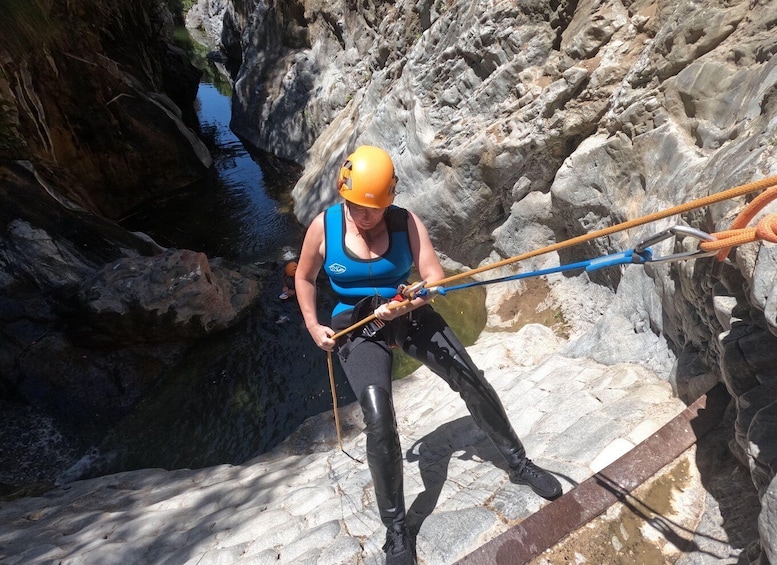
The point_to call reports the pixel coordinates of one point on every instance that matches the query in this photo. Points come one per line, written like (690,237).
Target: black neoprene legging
(425,336)
(366,360)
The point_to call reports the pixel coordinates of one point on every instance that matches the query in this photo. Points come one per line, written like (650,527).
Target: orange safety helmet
(367,178)
(291,269)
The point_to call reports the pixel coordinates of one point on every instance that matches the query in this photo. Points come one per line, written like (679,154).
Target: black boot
(384,455)
(399,547)
(540,481)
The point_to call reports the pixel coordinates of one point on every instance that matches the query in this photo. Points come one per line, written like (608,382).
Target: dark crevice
(334,25)
(561,15)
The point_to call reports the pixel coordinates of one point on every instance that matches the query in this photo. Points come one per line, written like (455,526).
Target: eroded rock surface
(516,125)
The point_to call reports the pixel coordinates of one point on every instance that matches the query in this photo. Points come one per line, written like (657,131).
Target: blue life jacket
(353,278)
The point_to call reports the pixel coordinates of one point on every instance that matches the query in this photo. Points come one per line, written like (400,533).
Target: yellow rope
(334,398)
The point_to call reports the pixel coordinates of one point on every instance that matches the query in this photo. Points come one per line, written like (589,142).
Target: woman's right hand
(322,335)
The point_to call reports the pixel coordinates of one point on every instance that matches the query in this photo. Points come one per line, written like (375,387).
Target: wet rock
(180,78)
(88,106)
(168,297)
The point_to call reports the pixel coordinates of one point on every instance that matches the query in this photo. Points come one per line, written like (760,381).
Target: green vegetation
(198,54)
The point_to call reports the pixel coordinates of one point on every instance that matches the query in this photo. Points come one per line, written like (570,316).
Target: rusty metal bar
(575,508)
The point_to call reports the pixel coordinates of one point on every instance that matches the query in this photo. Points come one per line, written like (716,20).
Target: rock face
(91,126)
(514,125)
(208,15)
(115,138)
(131,299)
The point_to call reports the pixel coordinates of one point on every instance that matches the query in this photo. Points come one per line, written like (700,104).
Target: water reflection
(235,395)
(240,392)
(230,213)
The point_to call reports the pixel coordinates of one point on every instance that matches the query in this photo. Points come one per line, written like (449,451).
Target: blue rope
(623,258)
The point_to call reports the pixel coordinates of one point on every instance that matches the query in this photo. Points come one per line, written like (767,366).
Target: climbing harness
(718,244)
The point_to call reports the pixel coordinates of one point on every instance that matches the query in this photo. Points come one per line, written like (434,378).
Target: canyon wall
(514,125)
(92,125)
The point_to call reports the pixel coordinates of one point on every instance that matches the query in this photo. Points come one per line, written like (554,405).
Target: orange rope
(738,233)
(767,183)
(735,192)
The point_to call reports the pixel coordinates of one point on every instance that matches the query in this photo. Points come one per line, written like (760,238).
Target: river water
(238,393)
(241,392)
(233,212)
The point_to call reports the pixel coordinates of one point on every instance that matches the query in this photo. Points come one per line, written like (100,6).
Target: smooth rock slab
(315,506)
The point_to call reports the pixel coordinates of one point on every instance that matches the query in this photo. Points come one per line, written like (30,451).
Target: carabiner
(410,291)
(674,231)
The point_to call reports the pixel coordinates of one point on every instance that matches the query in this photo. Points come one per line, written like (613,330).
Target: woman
(367,247)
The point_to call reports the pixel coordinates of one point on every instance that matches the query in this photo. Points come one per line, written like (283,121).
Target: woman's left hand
(383,312)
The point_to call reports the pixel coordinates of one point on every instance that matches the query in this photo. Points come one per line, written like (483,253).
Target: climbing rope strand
(675,210)
(334,405)
(766,228)
(769,183)
(334,397)
(751,210)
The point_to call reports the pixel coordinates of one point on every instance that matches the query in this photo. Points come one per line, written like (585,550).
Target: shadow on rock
(460,438)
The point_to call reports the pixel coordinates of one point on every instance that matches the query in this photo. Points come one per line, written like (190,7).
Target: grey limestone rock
(516,125)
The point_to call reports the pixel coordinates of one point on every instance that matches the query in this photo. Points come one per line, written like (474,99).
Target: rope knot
(738,233)
(766,228)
